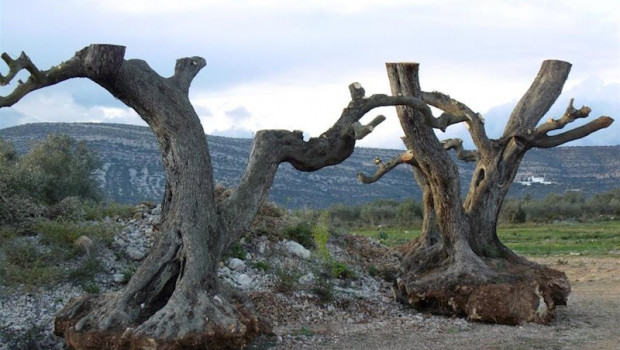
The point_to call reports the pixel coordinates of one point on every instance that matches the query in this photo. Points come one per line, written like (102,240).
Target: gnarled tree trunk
(174,300)
(469,272)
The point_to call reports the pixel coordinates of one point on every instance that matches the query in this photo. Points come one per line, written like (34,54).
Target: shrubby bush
(569,206)
(38,182)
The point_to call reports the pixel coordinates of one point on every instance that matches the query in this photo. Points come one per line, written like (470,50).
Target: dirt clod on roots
(517,294)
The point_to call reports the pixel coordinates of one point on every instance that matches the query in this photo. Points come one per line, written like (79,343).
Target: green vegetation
(286,280)
(590,238)
(300,233)
(236,250)
(43,181)
(34,261)
(262,265)
(96,211)
(569,206)
(320,235)
(587,238)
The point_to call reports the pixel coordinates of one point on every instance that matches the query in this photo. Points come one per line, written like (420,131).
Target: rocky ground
(338,302)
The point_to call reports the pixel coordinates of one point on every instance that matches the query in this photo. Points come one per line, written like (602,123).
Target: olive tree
(458,265)
(175,300)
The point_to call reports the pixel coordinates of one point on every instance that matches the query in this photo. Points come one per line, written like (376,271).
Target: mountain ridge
(132,170)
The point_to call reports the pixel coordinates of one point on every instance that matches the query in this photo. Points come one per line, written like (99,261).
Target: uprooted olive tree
(458,265)
(174,300)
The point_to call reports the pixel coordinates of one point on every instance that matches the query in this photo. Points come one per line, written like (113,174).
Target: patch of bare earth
(590,321)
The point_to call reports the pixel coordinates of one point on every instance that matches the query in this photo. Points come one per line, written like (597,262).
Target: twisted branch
(22,62)
(569,116)
(456,112)
(407,158)
(94,61)
(384,168)
(461,153)
(539,137)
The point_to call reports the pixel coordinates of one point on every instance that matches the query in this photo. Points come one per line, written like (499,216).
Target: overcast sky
(287,64)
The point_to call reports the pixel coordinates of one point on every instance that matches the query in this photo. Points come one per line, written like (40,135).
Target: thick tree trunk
(174,300)
(468,272)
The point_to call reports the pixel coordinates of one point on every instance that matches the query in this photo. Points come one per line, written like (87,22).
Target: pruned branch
(385,167)
(22,62)
(569,116)
(539,137)
(456,112)
(362,131)
(95,62)
(571,135)
(538,99)
(186,69)
(461,153)
(408,158)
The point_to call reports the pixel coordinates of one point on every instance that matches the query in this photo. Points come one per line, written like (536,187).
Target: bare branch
(362,131)
(569,116)
(461,153)
(186,69)
(386,167)
(571,135)
(457,112)
(539,137)
(22,62)
(94,61)
(541,95)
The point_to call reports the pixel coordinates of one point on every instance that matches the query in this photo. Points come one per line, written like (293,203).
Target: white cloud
(60,106)
(288,63)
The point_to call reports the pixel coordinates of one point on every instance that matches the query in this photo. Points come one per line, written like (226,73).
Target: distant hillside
(132,169)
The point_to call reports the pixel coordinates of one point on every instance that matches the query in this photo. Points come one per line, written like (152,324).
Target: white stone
(307,279)
(244,281)
(135,253)
(297,249)
(236,264)
(118,278)
(156,210)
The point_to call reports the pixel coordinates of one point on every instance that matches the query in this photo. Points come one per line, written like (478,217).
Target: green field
(590,238)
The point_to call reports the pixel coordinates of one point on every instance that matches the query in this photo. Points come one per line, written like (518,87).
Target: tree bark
(174,300)
(468,271)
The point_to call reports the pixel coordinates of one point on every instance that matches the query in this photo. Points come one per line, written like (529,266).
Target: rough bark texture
(174,300)
(468,271)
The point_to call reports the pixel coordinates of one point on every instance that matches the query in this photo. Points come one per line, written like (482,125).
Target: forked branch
(459,112)
(385,167)
(539,137)
(408,158)
(461,153)
(94,61)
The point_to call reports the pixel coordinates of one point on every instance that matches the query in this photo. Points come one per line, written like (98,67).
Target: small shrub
(304,332)
(286,280)
(300,233)
(95,212)
(68,209)
(65,233)
(382,236)
(236,250)
(340,270)
(320,234)
(91,287)
(262,265)
(324,289)
(86,270)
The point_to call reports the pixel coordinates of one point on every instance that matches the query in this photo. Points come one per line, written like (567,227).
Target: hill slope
(132,169)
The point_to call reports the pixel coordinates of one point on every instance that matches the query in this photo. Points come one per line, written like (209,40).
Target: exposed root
(490,290)
(191,319)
